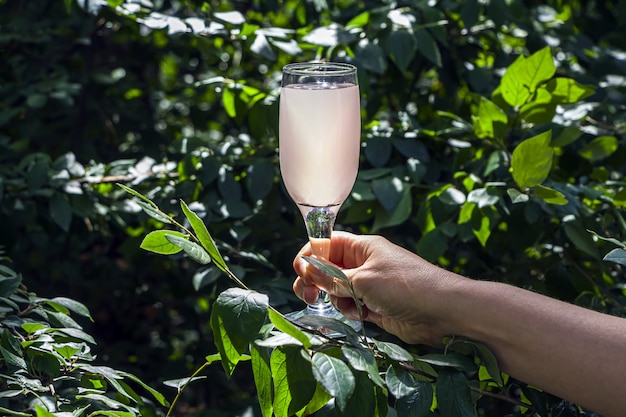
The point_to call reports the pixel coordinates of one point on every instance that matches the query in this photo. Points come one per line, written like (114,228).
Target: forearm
(571,352)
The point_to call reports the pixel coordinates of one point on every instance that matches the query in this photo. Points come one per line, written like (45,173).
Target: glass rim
(319,68)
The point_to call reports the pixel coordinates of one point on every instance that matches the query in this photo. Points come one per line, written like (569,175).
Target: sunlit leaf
(157,242)
(418,402)
(567,90)
(394,351)
(262,379)
(285,326)
(617,255)
(450,360)
(532,160)
(599,148)
(243,312)
(154,212)
(228,101)
(294,384)
(204,236)
(195,251)
(236,319)
(136,194)
(523,76)
(549,195)
(489,120)
(72,305)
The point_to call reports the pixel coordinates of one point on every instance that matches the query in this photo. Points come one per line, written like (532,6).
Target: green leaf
(114,378)
(67,350)
(137,194)
(599,148)
(372,57)
(151,210)
(318,401)
(432,244)
(389,192)
(195,251)
(328,323)
(532,160)
(394,351)
(294,384)
(578,236)
(286,327)
(427,46)
(71,305)
(418,402)
(523,77)
(157,395)
(400,382)
(489,120)
(11,352)
(486,357)
(327,268)
(180,383)
(228,101)
(450,360)
(399,215)
(362,359)
(454,397)
(484,197)
(236,320)
(567,90)
(61,211)
(335,376)
(77,334)
(262,378)
(204,237)
(42,412)
(470,12)
(517,196)
(363,401)
(541,109)
(8,285)
(401,47)
(549,195)
(260,178)
(157,242)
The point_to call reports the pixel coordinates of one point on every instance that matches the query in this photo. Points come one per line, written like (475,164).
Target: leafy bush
(48,367)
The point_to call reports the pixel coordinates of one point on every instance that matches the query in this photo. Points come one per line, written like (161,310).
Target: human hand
(401,292)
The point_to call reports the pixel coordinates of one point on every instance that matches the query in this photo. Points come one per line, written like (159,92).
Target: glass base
(326,319)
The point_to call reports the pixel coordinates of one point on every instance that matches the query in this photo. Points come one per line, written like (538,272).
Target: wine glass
(319,142)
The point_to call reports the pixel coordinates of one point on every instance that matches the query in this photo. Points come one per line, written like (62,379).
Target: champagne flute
(319,142)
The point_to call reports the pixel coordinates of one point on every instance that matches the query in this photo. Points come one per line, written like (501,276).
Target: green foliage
(47,364)
(493,145)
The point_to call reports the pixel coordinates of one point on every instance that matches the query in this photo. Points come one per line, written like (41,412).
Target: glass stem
(319,225)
